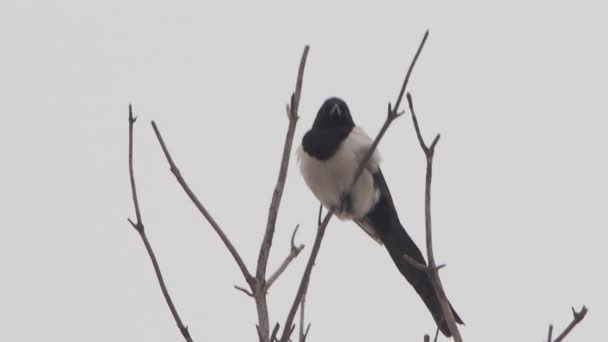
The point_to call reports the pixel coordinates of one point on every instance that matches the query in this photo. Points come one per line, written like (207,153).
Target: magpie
(329,156)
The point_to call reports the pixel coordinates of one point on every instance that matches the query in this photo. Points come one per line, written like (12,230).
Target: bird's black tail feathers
(385,221)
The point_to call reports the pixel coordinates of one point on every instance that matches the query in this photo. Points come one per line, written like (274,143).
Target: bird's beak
(335,109)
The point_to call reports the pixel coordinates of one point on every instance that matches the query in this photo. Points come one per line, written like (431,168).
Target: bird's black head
(333,113)
(332,125)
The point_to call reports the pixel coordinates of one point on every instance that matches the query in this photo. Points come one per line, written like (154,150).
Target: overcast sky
(516,88)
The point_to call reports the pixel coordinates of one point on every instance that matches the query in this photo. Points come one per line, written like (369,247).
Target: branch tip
(244,290)
(578,317)
(435,141)
(293,239)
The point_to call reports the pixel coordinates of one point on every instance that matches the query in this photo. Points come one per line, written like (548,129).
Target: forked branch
(578,317)
(139,226)
(293,253)
(432,268)
(261,285)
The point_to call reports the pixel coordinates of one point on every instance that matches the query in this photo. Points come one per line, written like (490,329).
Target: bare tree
(259,282)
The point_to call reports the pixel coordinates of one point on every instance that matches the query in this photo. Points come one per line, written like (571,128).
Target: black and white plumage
(329,156)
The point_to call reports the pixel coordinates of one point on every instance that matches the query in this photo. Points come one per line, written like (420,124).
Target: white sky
(515,88)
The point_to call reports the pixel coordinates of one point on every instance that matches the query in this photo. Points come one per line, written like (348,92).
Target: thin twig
(550,336)
(432,267)
(303,332)
(320,215)
(305,336)
(427,338)
(275,330)
(436,334)
(244,290)
(293,253)
(139,226)
(201,208)
(409,71)
(393,113)
(578,317)
(305,277)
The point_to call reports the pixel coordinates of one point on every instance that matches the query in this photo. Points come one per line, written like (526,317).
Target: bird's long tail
(385,222)
(397,243)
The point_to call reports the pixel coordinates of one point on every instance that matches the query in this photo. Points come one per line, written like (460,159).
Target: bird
(329,156)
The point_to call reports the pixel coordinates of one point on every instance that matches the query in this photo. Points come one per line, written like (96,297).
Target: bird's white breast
(330,179)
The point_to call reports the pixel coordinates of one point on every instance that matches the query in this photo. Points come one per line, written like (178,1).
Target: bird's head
(334,113)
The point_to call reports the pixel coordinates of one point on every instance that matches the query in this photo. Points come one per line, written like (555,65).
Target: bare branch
(201,208)
(305,277)
(320,215)
(294,252)
(427,338)
(303,333)
(139,226)
(305,336)
(432,267)
(578,317)
(409,71)
(436,334)
(550,337)
(257,328)
(278,190)
(392,114)
(244,290)
(275,330)
(260,291)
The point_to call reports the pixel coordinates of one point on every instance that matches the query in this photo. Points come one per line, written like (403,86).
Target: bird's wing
(364,222)
(368,229)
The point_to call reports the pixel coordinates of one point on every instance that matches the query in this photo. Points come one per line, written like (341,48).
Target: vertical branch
(260,291)
(139,226)
(305,278)
(432,268)
(303,332)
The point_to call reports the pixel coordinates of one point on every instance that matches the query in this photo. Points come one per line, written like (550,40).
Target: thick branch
(201,208)
(139,226)
(432,267)
(578,317)
(393,113)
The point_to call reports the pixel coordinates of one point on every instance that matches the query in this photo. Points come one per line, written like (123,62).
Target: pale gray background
(516,88)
